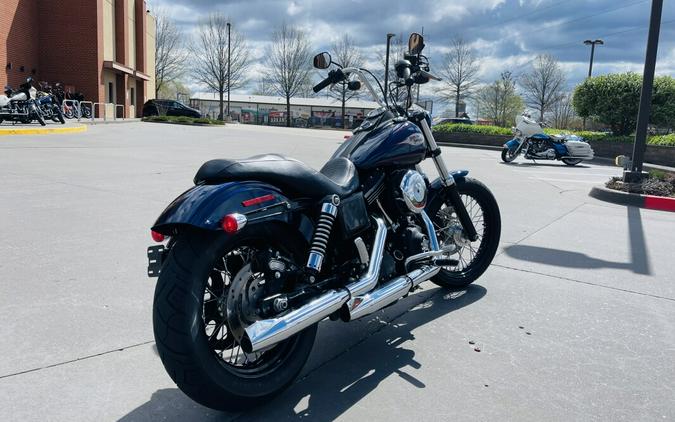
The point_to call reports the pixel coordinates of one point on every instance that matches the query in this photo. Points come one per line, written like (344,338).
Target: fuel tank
(391,144)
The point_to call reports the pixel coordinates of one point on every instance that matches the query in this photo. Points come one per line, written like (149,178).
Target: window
(111,92)
(133,96)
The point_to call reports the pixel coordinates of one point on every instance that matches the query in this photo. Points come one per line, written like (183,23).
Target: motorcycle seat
(294,178)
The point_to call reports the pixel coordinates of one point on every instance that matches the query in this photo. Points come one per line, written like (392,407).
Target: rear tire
(507,155)
(475,195)
(571,161)
(179,318)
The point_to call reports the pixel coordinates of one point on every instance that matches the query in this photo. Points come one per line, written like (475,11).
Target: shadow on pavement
(638,249)
(540,164)
(336,385)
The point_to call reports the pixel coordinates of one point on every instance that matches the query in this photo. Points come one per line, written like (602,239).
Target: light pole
(592,44)
(386,69)
(636,174)
(228,70)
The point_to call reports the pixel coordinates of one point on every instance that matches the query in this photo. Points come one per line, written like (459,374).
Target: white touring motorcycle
(21,106)
(531,141)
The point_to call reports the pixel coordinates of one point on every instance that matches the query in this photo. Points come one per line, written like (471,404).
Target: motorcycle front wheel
(205,296)
(473,257)
(58,115)
(571,161)
(508,155)
(38,116)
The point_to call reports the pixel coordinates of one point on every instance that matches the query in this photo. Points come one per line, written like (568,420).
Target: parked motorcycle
(49,107)
(71,110)
(20,106)
(261,249)
(531,141)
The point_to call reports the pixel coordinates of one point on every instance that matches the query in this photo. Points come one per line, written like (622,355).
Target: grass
(665,140)
(183,120)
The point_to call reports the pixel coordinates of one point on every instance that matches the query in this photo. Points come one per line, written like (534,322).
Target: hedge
(183,120)
(667,140)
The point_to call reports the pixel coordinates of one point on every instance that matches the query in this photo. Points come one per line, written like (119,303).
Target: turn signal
(232,223)
(156,236)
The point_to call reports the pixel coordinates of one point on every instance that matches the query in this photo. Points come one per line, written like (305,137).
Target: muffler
(389,293)
(268,332)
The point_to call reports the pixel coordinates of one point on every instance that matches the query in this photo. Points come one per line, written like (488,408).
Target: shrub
(462,128)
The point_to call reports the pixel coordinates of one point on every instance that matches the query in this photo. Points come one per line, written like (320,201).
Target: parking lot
(573,321)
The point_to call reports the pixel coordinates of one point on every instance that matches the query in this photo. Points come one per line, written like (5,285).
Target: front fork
(451,191)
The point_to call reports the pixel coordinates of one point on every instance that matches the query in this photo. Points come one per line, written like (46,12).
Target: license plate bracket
(156,255)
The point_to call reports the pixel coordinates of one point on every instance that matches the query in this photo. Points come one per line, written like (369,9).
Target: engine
(542,149)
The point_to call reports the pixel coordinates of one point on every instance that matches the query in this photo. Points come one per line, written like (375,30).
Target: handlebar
(334,76)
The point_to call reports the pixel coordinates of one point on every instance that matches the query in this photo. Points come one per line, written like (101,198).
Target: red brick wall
(71,50)
(18,41)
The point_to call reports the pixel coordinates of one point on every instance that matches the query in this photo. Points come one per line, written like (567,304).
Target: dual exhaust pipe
(357,300)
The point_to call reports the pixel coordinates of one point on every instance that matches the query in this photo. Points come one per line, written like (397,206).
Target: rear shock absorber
(324,227)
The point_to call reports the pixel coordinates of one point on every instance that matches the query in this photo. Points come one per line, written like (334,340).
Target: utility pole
(635,175)
(386,69)
(228,70)
(592,43)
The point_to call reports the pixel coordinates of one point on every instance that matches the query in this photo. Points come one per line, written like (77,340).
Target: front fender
(436,186)
(512,144)
(204,206)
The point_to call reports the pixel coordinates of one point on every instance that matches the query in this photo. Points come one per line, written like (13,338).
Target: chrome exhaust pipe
(389,293)
(265,333)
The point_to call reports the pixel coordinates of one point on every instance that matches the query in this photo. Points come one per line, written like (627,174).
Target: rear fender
(204,206)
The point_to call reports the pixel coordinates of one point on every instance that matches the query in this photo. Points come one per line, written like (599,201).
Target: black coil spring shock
(324,227)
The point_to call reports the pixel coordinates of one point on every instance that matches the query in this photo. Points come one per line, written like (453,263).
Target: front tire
(39,118)
(508,155)
(571,161)
(474,257)
(186,344)
(58,115)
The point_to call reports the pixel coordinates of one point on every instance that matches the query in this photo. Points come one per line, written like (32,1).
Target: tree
(562,112)
(347,54)
(170,54)
(544,84)
(614,100)
(211,57)
(264,87)
(499,101)
(173,89)
(460,72)
(289,64)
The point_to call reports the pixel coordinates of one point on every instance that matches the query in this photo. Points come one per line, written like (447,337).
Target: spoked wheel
(509,155)
(209,291)
(473,257)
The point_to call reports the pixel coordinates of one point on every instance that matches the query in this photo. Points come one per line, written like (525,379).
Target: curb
(651,202)
(42,130)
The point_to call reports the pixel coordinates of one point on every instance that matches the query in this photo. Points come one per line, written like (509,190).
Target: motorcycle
(20,106)
(49,105)
(70,110)
(260,250)
(531,141)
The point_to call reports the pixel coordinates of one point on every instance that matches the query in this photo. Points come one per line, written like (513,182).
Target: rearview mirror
(322,60)
(415,43)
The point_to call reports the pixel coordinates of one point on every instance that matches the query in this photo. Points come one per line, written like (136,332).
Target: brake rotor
(243,295)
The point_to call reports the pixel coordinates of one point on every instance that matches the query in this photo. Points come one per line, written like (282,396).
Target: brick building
(102,48)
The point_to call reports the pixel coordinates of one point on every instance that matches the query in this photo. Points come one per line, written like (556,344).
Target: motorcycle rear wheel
(474,257)
(195,337)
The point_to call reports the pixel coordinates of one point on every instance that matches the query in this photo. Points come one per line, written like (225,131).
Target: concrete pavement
(574,321)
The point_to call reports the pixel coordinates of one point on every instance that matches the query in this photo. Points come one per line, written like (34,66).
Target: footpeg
(446,262)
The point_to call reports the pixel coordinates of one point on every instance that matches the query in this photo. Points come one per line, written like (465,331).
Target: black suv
(169,108)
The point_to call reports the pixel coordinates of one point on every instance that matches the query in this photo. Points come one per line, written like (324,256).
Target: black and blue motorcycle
(260,250)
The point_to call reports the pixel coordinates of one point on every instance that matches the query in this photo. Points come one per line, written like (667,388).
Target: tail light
(156,236)
(232,223)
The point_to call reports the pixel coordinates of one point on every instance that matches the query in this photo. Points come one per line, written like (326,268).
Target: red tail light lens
(156,236)
(258,200)
(232,223)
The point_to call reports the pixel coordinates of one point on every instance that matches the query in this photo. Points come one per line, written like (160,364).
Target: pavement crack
(585,282)
(76,360)
(555,220)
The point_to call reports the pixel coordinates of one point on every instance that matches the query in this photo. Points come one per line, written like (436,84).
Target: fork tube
(436,157)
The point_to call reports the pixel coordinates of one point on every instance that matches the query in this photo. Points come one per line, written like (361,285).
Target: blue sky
(506,35)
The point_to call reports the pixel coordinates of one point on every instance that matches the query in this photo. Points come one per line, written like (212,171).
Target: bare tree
(289,64)
(562,112)
(499,101)
(397,52)
(347,54)
(170,54)
(264,87)
(211,57)
(543,85)
(460,72)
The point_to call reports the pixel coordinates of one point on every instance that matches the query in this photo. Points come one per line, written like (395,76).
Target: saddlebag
(579,149)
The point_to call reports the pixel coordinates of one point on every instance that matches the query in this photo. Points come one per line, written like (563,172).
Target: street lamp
(386,68)
(592,44)
(228,69)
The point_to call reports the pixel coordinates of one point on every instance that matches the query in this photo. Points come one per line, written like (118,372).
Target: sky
(505,34)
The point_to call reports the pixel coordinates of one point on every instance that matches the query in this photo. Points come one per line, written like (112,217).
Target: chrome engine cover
(414,190)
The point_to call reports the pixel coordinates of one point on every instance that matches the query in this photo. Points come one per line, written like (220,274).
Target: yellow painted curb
(42,130)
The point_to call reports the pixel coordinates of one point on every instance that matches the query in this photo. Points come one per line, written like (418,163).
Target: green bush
(462,128)
(667,140)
